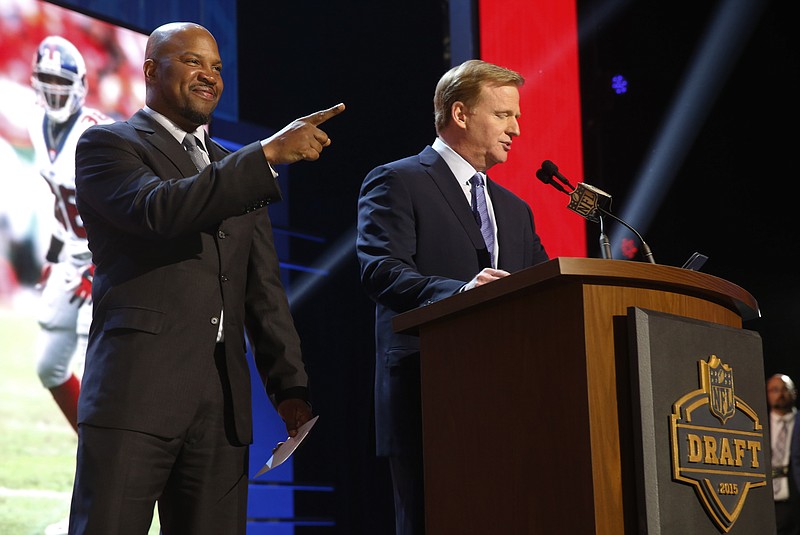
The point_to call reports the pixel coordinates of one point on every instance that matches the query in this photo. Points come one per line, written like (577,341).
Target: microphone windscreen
(550,167)
(543,175)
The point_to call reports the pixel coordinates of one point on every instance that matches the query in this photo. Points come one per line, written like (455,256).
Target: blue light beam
(328,263)
(730,29)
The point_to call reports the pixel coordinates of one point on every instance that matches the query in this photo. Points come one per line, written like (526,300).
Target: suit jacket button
(223,278)
(214,321)
(221,234)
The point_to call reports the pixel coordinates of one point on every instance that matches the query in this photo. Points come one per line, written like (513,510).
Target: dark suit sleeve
(136,186)
(794,460)
(274,340)
(386,246)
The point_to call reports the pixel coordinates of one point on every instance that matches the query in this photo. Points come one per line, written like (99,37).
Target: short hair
(464,82)
(787,381)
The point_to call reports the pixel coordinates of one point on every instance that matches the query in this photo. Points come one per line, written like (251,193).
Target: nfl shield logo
(721,400)
(723,462)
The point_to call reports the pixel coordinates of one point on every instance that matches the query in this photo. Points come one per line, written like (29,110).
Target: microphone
(542,175)
(552,169)
(590,203)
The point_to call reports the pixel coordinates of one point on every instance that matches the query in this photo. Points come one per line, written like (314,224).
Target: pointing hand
(301,139)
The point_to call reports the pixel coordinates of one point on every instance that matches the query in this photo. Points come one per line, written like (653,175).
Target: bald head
(163,34)
(183,73)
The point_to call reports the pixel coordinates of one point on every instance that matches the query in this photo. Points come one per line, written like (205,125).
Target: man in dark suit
(427,231)
(186,271)
(785,445)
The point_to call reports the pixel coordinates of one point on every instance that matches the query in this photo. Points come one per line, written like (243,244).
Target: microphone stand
(586,202)
(645,248)
(605,244)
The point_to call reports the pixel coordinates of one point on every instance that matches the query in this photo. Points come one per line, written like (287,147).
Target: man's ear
(148,68)
(459,113)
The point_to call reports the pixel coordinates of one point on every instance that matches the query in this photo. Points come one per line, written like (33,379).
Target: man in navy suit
(420,240)
(186,269)
(785,442)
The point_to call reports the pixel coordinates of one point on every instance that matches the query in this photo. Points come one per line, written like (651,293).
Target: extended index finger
(321,116)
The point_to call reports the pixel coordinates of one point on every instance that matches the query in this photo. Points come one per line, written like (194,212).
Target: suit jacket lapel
(497,207)
(441,174)
(163,141)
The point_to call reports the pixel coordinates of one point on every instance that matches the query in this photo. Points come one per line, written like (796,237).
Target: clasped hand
(484,276)
(301,139)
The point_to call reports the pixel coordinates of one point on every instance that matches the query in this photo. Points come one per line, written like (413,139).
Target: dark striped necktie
(481,212)
(195,150)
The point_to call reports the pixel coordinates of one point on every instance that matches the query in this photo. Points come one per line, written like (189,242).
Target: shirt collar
(788,417)
(177,132)
(462,170)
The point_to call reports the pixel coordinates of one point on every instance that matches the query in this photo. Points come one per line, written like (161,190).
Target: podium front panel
(701,422)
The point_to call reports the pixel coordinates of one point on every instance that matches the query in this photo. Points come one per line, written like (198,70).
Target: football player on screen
(59,81)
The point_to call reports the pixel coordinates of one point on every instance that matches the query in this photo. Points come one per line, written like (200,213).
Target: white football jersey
(55,161)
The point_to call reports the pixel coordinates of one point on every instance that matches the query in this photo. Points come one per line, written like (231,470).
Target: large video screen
(546,54)
(114,86)
(89,70)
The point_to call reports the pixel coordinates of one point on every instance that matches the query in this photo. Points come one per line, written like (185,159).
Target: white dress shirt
(463,172)
(780,485)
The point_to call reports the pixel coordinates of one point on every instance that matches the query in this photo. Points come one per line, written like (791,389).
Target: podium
(529,417)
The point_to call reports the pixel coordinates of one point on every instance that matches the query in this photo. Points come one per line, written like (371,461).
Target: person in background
(186,273)
(430,226)
(785,442)
(59,81)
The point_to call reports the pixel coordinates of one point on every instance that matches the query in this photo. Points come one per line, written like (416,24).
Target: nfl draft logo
(717,444)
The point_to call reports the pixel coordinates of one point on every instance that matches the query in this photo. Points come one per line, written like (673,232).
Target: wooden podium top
(591,271)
